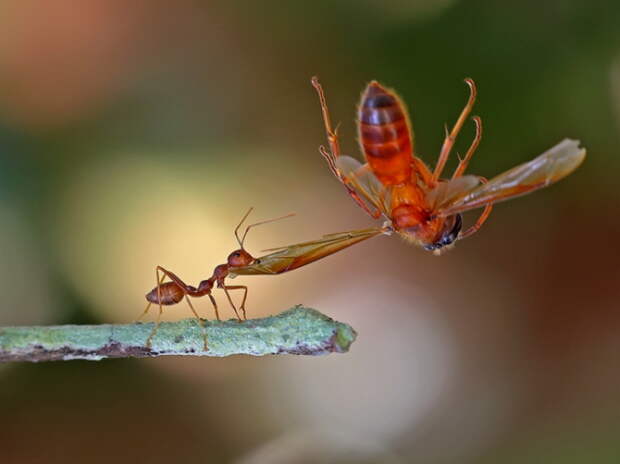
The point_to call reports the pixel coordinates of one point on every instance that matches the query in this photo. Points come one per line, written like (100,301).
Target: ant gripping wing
(553,165)
(291,257)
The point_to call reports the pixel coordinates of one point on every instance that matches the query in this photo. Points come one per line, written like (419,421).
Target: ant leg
(186,288)
(148,306)
(146,310)
(481,219)
(451,136)
(217,314)
(460,169)
(245,296)
(161,310)
(191,306)
(204,328)
(154,331)
(231,302)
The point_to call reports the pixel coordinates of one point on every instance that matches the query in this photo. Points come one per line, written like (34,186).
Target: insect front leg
(225,288)
(245,296)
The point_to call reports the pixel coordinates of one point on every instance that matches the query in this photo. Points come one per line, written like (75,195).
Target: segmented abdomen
(170,293)
(385,135)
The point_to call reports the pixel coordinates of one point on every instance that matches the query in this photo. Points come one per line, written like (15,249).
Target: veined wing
(365,182)
(291,257)
(447,192)
(553,165)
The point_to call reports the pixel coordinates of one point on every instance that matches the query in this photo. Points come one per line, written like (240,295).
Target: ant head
(239,258)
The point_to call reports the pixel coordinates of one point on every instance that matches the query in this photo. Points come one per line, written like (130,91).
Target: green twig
(296,331)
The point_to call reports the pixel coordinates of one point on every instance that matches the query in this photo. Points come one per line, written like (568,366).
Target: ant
(170,293)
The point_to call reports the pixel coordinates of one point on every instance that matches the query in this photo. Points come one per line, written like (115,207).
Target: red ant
(170,293)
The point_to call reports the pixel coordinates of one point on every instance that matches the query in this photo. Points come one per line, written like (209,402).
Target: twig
(298,330)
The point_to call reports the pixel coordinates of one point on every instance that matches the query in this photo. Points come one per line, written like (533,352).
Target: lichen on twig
(298,330)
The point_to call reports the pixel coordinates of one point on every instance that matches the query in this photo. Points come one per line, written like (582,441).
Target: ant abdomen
(170,294)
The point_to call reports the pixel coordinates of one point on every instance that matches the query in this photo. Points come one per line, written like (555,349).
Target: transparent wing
(553,165)
(365,182)
(291,257)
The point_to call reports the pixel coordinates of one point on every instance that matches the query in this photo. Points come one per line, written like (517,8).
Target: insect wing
(447,192)
(365,182)
(553,165)
(293,256)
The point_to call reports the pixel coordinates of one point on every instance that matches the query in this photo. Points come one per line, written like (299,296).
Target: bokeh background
(137,133)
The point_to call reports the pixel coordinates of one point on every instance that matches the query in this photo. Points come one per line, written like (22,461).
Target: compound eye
(454,232)
(458,224)
(450,234)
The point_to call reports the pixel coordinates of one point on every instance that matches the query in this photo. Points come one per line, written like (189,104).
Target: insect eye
(457,227)
(448,235)
(447,239)
(236,254)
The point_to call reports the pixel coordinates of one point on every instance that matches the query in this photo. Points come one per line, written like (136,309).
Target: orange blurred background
(134,134)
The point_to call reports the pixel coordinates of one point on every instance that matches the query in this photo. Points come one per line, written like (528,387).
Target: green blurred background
(137,133)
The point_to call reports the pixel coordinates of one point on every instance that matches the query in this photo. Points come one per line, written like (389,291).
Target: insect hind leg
(481,219)
(159,281)
(462,166)
(217,313)
(200,323)
(332,136)
(448,142)
(334,151)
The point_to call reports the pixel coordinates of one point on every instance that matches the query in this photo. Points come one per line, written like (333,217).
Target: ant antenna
(239,225)
(247,229)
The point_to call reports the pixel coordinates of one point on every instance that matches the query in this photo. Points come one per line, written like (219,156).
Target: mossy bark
(298,330)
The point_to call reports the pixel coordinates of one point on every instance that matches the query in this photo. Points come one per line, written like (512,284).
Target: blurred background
(137,133)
